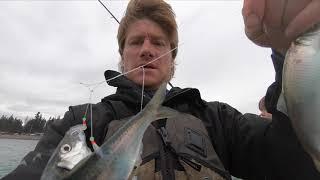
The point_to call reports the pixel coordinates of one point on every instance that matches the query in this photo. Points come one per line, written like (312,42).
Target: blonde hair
(157,11)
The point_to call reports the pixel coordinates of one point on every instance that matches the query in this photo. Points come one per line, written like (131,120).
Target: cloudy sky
(48,47)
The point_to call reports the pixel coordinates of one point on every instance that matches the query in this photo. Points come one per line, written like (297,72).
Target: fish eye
(65,148)
(74,133)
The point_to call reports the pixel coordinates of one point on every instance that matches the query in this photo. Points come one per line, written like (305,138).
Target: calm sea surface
(11,153)
(13,150)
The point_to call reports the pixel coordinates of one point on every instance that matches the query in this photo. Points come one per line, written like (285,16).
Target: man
(263,111)
(268,104)
(211,140)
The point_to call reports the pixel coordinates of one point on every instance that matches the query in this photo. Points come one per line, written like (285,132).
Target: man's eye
(135,42)
(159,43)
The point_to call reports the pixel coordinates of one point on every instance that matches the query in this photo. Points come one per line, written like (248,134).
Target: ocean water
(11,153)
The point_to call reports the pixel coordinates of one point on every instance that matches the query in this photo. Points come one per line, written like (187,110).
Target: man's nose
(147,50)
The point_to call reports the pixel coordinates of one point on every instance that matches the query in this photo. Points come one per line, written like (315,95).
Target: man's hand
(253,13)
(305,19)
(275,23)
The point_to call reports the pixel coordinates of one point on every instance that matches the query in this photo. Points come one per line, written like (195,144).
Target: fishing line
(84,122)
(119,23)
(94,144)
(84,118)
(125,73)
(142,89)
(91,119)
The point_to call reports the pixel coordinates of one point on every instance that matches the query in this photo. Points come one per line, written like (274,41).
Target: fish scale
(300,96)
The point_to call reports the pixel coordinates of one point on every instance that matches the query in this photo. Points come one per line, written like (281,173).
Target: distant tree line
(37,124)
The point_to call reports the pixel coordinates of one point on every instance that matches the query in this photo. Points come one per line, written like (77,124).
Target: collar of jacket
(130,93)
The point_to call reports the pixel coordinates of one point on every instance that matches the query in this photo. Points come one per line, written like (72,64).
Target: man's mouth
(149,66)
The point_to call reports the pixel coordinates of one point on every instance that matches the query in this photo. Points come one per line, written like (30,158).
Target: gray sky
(49,47)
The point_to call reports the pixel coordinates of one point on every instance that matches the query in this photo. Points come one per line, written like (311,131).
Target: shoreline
(20,137)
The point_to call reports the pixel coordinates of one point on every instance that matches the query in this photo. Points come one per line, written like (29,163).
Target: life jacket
(181,140)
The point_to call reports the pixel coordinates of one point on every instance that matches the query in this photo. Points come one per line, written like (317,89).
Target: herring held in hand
(300,96)
(116,158)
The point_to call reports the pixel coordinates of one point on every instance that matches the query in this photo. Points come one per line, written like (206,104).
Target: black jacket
(274,89)
(248,146)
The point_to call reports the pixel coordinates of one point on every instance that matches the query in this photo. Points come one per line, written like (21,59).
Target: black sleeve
(274,90)
(34,162)
(261,149)
(286,156)
(245,143)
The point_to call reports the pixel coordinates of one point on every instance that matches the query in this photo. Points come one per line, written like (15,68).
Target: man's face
(146,41)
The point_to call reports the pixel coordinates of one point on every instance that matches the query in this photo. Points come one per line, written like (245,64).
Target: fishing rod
(89,105)
(109,12)
(119,23)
